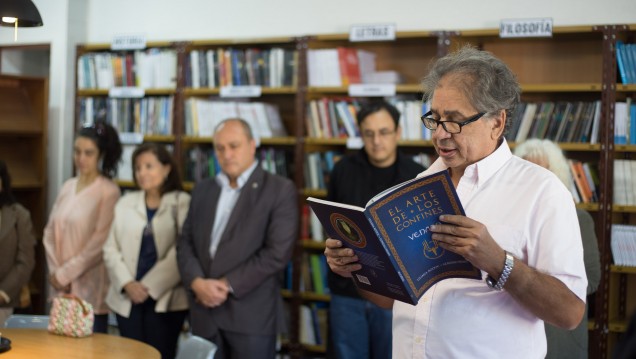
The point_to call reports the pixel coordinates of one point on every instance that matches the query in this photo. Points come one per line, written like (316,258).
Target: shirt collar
(485,168)
(224,181)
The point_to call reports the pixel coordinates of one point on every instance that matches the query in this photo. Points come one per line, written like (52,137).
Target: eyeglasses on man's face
(383,133)
(449,126)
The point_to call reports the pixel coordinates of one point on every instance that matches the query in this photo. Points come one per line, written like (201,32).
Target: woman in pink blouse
(80,220)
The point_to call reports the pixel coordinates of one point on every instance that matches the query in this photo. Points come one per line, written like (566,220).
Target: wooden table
(38,343)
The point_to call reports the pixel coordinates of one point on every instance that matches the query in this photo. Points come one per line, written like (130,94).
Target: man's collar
(224,181)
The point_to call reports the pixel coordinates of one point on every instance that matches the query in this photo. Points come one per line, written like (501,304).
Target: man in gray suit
(237,238)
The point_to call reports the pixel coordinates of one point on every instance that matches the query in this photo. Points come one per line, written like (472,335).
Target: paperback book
(392,238)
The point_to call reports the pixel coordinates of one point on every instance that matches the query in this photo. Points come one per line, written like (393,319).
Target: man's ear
(498,125)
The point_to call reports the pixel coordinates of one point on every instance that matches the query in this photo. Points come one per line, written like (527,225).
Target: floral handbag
(71,316)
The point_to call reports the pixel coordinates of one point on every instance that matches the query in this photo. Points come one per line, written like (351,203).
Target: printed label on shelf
(377,32)
(371,90)
(131,138)
(126,92)
(241,91)
(354,143)
(128,42)
(526,28)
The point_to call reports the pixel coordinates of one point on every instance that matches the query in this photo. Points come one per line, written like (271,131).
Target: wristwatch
(508,265)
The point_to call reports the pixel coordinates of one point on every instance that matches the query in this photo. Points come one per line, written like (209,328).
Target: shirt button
(418,340)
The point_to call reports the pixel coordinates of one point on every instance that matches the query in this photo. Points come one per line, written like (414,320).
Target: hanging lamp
(19,13)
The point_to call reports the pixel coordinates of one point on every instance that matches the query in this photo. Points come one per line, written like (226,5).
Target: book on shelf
(391,237)
(623,245)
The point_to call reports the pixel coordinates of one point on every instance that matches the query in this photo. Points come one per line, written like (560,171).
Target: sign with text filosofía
(526,28)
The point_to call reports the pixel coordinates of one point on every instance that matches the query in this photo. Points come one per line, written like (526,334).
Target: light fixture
(19,13)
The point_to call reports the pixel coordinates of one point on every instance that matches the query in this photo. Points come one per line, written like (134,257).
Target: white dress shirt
(225,205)
(530,214)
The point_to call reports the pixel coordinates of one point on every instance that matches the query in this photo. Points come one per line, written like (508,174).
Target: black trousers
(161,330)
(243,346)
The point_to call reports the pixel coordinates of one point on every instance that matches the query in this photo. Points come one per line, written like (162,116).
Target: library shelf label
(241,91)
(372,32)
(371,90)
(126,92)
(526,28)
(128,42)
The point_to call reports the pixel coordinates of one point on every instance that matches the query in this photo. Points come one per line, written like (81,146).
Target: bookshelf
(23,146)
(577,64)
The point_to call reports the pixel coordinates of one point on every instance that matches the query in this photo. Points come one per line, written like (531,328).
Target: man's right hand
(342,261)
(210,292)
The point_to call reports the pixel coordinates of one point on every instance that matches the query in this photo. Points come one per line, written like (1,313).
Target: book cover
(392,240)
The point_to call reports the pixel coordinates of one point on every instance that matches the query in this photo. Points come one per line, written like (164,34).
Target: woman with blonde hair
(562,343)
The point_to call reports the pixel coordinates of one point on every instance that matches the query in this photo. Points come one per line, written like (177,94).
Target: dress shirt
(225,205)
(530,214)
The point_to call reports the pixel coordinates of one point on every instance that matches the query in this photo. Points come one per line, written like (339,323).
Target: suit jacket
(121,251)
(253,250)
(16,251)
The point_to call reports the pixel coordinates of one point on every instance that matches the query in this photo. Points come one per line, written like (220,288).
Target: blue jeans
(359,329)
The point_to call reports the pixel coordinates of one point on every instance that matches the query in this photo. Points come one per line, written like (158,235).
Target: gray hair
(246,126)
(486,81)
(551,153)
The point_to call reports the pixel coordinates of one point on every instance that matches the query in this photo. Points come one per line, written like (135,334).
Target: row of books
(336,118)
(310,227)
(313,273)
(151,68)
(201,163)
(318,166)
(275,67)
(148,115)
(313,324)
(625,123)
(624,245)
(202,117)
(340,66)
(586,181)
(624,182)
(626,61)
(558,121)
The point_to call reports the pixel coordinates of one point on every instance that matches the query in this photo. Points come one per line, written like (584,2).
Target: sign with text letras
(377,32)
(526,28)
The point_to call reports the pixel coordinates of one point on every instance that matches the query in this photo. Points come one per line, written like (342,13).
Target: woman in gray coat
(17,241)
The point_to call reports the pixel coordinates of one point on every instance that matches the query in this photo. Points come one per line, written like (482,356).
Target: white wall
(68,22)
(190,19)
(61,32)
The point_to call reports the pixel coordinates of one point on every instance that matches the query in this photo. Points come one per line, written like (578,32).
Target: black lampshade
(24,10)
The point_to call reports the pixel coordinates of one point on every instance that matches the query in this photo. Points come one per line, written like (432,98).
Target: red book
(349,65)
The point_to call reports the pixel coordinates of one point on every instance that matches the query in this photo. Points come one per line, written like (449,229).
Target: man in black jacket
(357,327)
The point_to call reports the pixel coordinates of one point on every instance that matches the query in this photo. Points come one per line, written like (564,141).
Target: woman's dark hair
(106,138)
(6,194)
(172,182)
(376,106)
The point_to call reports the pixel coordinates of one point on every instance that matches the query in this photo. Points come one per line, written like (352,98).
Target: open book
(392,240)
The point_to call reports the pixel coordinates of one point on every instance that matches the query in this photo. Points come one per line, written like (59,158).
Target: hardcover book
(392,240)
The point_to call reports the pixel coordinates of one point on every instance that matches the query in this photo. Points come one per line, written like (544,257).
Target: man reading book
(520,229)
(357,327)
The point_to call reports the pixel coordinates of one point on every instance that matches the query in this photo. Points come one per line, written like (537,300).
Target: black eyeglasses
(449,126)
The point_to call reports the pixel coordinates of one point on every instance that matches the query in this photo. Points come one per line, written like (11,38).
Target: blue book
(621,62)
(391,237)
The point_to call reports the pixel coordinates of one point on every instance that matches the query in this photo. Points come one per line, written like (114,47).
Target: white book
(209,57)
(596,122)
(194,69)
(526,122)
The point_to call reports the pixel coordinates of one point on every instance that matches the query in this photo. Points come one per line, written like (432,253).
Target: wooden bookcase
(23,146)
(577,64)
